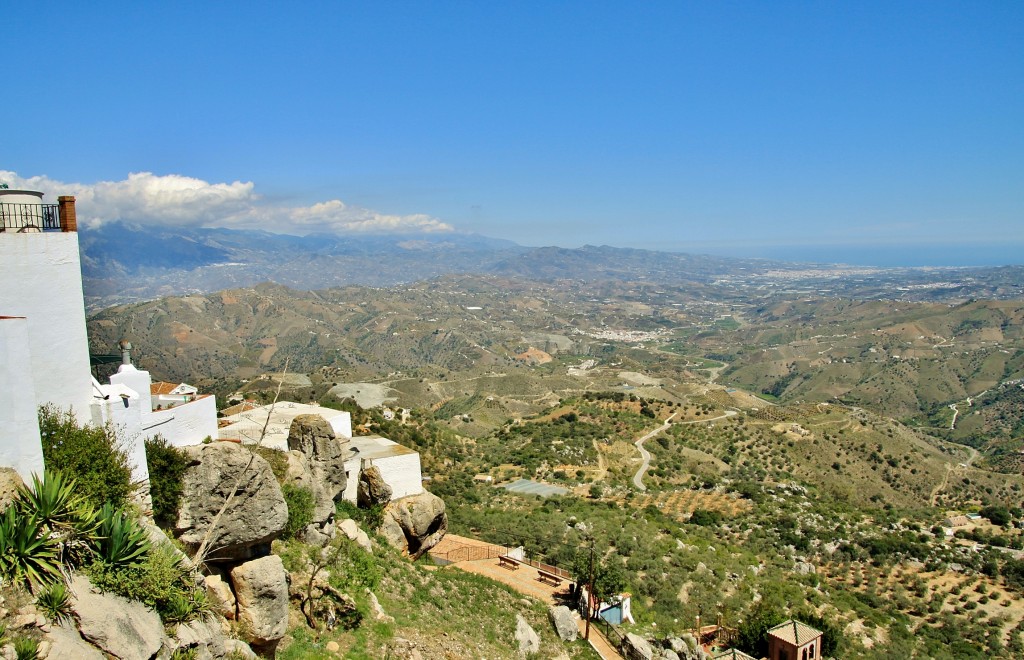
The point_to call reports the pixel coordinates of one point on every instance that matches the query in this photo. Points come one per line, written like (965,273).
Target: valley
(736,446)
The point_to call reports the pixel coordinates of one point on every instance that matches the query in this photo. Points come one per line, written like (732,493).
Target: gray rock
(256,514)
(351,529)
(805,568)
(415,524)
(261,589)
(205,636)
(635,647)
(564,621)
(67,644)
(526,637)
(10,483)
(120,627)
(373,490)
(666,654)
(236,648)
(402,649)
(220,596)
(376,611)
(320,460)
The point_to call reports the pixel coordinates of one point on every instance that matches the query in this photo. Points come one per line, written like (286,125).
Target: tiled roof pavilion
(794,632)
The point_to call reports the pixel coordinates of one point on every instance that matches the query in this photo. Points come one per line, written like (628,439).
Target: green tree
(997,515)
(166,470)
(92,455)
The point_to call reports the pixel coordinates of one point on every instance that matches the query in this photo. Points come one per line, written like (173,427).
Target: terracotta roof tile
(161,387)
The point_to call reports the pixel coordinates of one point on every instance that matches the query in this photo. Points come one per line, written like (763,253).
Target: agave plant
(55,602)
(62,514)
(28,554)
(26,648)
(121,541)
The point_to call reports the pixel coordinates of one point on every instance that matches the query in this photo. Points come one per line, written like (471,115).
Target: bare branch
(204,547)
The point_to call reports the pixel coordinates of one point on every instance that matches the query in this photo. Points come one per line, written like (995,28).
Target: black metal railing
(29,217)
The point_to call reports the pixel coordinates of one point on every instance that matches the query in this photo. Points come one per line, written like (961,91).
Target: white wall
(43,283)
(135,379)
(401,472)
(125,414)
(186,423)
(19,422)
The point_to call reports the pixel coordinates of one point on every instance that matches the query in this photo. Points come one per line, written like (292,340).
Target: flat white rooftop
(247,427)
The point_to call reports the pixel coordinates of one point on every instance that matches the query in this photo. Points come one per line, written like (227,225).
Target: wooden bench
(508,562)
(549,578)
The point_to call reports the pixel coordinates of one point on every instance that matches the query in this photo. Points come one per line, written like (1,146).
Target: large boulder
(635,647)
(527,639)
(255,516)
(415,524)
(316,460)
(564,621)
(117,626)
(261,589)
(372,489)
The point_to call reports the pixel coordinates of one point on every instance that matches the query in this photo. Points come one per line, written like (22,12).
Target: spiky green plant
(26,648)
(62,514)
(55,602)
(28,555)
(121,540)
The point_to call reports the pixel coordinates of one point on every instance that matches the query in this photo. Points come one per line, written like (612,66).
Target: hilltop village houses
(44,360)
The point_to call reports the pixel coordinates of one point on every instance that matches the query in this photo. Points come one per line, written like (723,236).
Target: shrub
(159,581)
(369,518)
(167,466)
(92,455)
(705,518)
(300,509)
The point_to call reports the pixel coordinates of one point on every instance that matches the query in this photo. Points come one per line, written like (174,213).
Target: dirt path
(638,478)
(524,580)
(949,470)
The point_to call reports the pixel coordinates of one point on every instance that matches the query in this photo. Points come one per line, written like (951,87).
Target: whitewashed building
(269,424)
(44,346)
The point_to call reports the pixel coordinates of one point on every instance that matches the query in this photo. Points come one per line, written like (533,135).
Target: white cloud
(174,199)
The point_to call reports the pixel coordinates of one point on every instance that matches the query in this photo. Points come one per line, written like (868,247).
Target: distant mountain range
(124,263)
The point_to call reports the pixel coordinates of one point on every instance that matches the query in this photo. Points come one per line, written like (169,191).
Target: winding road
(638,478)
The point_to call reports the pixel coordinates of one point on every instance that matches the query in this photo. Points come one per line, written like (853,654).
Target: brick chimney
(66,211)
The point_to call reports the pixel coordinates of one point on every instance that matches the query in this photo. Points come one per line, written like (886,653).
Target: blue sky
(765,129)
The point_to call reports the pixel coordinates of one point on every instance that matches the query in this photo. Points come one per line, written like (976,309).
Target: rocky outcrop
(415,524)
(255,516)
(117,626)
(261,588)
(67,644)
(350,529)
(10,483)
(220,597)
(527,639)
(564,621)
(316,460)
(372,489)
(635,647)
